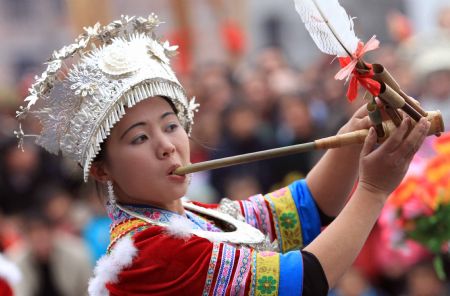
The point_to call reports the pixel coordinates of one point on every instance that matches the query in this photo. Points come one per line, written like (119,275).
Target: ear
(99,172)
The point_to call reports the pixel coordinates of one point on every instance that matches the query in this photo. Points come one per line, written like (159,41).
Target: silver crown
(87,85)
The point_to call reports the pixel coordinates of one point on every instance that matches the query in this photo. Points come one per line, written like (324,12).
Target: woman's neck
(175,206)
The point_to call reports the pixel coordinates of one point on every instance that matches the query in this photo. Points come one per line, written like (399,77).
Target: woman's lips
(177,178)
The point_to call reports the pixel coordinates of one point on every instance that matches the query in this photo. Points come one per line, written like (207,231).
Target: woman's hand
(382,169)
(359,120)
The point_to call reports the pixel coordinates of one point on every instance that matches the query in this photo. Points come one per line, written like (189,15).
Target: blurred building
(30,30)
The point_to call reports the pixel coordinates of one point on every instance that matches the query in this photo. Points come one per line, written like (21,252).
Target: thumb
(369,143)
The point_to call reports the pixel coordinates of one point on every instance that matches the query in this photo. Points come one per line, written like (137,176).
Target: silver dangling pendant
(111,196)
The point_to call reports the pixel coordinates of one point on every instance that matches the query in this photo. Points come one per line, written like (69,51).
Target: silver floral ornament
(155,49)
(53,66)
(84,82)
(92,31)
(121,58)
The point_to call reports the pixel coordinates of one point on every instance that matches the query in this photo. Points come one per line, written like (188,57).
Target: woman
(122,114)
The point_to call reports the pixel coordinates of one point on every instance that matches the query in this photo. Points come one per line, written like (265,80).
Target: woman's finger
(412,143)
(396,138)
(369,143)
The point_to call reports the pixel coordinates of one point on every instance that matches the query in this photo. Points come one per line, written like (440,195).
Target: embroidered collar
(241,233)
(158,216)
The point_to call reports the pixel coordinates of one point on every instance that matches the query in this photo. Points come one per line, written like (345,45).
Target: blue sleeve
(307,210)
(291,273)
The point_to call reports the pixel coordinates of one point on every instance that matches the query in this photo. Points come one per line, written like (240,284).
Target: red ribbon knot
(365,77)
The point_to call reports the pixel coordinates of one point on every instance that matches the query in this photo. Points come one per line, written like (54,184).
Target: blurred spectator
(436,93)
(20,175)
(57,203)
(213,87)
(241,134)
(23,174)
(255,91)
(241,187)
(51,262)
(353,283)
(423,281)
(295,127)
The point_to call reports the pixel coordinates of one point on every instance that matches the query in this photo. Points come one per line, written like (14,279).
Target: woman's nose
(165,147)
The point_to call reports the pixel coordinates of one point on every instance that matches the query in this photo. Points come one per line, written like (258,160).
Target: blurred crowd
(54,227)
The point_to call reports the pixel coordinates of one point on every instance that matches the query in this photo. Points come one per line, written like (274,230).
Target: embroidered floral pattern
(267,273)
(267,285)
(288,220)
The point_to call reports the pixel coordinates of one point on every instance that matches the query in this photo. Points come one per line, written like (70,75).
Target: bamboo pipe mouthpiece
(434,117)
(437,123)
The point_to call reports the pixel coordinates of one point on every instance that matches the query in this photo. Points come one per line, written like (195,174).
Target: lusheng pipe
(381,74)
(356,137)
(396,101)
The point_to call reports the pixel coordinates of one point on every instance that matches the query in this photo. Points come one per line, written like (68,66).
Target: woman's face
(143,150)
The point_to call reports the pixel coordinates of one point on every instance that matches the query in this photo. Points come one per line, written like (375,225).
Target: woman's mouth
(173,177)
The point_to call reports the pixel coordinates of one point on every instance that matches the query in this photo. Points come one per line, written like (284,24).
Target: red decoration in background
(233,38)
(182,63)
(348,65)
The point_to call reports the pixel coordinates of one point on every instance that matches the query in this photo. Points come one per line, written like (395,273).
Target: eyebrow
(142,123)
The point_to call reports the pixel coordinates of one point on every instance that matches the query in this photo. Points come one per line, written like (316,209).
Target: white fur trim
(9,271)
(109,266)
(179,227)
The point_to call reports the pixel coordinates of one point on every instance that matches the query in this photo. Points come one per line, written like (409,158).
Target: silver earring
(111,196)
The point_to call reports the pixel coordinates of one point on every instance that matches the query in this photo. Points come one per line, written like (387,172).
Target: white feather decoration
(329,26)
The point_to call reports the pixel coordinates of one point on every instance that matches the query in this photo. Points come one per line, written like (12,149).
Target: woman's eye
(171,127)
(139,140)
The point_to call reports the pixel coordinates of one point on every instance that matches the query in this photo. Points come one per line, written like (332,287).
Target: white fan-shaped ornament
(121,58)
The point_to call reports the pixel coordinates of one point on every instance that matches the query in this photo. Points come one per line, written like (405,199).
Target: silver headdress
(87,85)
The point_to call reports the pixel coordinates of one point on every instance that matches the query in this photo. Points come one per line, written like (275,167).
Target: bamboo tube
(356,137)
(375,117)
(383,75)
(393,114)
(391,97)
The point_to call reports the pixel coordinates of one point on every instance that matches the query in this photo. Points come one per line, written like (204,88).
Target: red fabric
(348,65)
(165,266)
(5,289)
(204,205)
